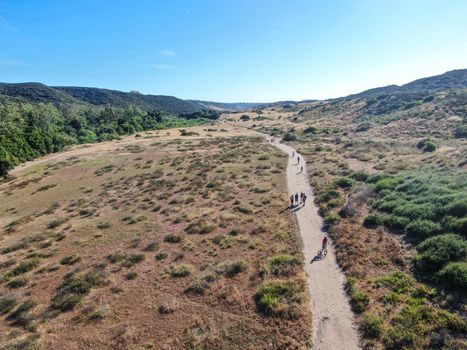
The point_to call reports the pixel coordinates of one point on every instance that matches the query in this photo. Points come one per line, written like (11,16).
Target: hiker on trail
(301,169)
(296,198)
(325,243)
(304,199)
(301,197)
(291,201)
(298,159)
(293,154)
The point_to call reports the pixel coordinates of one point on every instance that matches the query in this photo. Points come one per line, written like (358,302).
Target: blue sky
(236,50)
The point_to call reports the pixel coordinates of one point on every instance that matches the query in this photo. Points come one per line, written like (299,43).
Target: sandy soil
(333,326)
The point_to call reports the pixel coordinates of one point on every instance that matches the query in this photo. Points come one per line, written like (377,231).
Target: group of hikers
(295,201)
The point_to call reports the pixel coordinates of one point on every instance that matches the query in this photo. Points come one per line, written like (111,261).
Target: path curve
(333,326)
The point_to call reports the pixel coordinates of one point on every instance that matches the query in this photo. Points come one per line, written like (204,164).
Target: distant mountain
(36,92)
(455,79)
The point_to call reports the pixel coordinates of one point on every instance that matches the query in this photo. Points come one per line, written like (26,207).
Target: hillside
(36,92)
(455,79)
(388,168)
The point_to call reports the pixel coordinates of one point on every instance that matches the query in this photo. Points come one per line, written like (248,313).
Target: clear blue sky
(236,50)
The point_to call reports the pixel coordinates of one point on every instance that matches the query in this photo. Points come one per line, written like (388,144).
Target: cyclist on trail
(325,243)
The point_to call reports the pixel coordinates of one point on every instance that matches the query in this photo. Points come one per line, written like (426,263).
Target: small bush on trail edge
(310,130)
(283,264)
(161,255)
(232,268)
(278,298)
(75,287)
(358,300)
(372,325)
(427,145)
(422,228)
(152,247)
(131,275)
(244,117)
(289,137)
(331,218)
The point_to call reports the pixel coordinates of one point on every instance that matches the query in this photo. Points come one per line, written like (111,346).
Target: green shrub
(170,238)
(283,264)
(310,130)
(359,300)
(422,228)
(395,222)
(133,259)
(331,218)
(454,275)
(131,275)
(372,221)
(24,267)
(389,183)
(152,247)
(289,137)
(232,268)
(372,325)
(71,259)
(344,182)
(7,303)
(360,175)
(461,131)
(180,271)
(278,298)
(436,252)
(398,281)
(427,145)
(116,257)
(75,287)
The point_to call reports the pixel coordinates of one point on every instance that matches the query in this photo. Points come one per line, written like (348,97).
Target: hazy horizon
(264,51)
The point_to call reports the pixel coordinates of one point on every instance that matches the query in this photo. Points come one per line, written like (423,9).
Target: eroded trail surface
(333,326)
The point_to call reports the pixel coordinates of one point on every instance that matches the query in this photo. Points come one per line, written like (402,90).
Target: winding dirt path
(333,327)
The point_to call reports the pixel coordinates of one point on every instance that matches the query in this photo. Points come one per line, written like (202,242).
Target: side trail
(333,327)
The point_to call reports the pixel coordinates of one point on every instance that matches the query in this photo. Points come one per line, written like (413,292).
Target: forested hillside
(29,130)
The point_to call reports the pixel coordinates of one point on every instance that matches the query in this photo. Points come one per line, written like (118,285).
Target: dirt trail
(333,326)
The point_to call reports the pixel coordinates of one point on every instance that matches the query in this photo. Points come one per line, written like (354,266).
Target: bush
(310,130)
(360,175)
(75,287)
(427,145)
(454,275)
(395,222)
(180,271)
(372,221)
(436,252)
(278,298)
(359,300)
(389,183)
(71,259)
(7,303)
(344,182)
(133,259)
(232,268)
(461,131)
(289,137)
(283,264)
(372,325)
(331,218)
(422,228)
(244,117)
(170,238)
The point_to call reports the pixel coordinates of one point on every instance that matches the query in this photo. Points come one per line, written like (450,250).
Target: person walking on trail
(291,201)
(304,199)
(325,243)
(301,197)
(298,159)
(293,154)
(296,198)
(301,169)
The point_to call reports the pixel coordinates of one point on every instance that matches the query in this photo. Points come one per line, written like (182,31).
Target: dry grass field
(176,239)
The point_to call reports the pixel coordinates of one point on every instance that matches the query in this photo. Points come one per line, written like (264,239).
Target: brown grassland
(164,240)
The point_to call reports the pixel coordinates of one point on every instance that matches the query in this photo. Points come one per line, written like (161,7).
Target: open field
(164,240)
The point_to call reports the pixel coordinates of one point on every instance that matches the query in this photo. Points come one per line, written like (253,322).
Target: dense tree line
(29,130)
